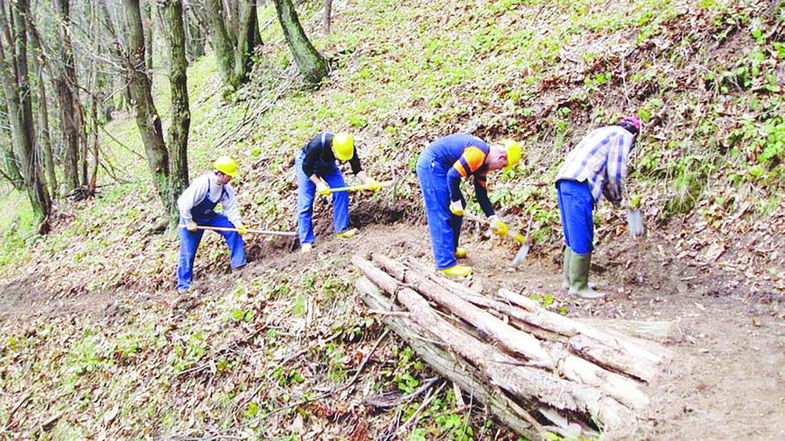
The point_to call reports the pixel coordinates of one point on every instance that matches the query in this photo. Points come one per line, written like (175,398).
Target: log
(511,338)
(625,390)
(465,376)
(524,382)
(662,331)
(610,350)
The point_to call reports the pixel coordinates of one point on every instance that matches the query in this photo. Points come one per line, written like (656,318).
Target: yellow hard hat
(226,165)
(513,152)
(343,146)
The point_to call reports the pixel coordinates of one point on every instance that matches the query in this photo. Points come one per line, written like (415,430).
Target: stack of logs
(536,370)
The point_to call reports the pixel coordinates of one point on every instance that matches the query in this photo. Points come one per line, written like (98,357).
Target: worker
(596,167)
(314,165)
(197,209)
(440,169)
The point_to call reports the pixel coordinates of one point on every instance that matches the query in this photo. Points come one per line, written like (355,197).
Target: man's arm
(192,196)
(481,193)
(616,168)
(230,206)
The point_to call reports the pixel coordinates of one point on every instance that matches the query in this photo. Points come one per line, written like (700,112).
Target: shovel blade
(521,255)
(635,222)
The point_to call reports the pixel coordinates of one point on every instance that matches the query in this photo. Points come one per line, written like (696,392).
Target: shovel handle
(359,187)
(249,230)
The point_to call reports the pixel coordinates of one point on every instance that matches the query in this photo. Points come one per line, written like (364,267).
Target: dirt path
(725,382)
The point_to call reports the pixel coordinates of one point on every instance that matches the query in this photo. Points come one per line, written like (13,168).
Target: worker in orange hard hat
(317,172)
(197,209)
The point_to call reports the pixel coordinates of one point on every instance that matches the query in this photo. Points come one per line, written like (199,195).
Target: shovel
(360,187)
(249,230)
(520,256)
(634,217)
(635,222)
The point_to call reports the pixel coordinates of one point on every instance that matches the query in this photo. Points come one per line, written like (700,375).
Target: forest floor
(725,381)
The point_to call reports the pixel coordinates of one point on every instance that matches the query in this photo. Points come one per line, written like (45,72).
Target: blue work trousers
(189,242)
(306,191)
(445,227)
(575,206)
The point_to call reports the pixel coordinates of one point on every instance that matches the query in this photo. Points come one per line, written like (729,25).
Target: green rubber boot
(566,260)
(579,277)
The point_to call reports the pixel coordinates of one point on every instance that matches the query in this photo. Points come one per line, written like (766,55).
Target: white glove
(498,227)
(322,188)
(456,207)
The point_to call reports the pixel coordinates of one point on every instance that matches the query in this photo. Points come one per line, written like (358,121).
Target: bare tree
(37,62)
(66,86)
(178,82)
(16,88)
(310,62)
(147,119)
(234,33)
(328,10)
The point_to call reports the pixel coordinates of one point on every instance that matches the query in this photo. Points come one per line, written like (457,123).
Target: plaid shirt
(601,160)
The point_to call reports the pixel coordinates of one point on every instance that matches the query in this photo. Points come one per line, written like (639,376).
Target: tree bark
(65,86)
(310,62)
(223,45)
(16,87)
(328,10)
(147,119)
(148,23)
(247,39)
(178,82)
(37,62)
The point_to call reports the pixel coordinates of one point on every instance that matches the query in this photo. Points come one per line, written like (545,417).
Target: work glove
(322,188)
(498,227)
(456,208)
(241,229)
(520,238)
(373,184)
(191,226)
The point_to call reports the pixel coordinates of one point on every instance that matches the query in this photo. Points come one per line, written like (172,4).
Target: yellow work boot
(457,271)
(460,253)
(348,234)
(306,248)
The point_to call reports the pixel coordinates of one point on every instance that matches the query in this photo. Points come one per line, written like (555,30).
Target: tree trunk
(16,86)
(328,10)
(222,43)
(148,24)
(247,39)
(44,142)
(178,82)
(65,82)
(194,31)
(147,119)
(310,62)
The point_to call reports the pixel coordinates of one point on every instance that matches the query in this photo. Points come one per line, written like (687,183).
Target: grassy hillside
(96,341)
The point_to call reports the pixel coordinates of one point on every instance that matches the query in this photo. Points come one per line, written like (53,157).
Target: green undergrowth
(702,75)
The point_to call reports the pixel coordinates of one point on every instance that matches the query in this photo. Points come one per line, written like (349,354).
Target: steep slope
(96,342)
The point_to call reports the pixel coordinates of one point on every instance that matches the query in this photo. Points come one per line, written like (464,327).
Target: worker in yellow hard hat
(317,172)
(440,169)
(197,209)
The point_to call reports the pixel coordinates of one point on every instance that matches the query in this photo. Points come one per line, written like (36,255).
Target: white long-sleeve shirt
(197,191)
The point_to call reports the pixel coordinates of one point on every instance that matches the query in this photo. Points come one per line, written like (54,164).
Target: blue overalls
(444,226)
(576,209)
(204,215)
(306,191)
